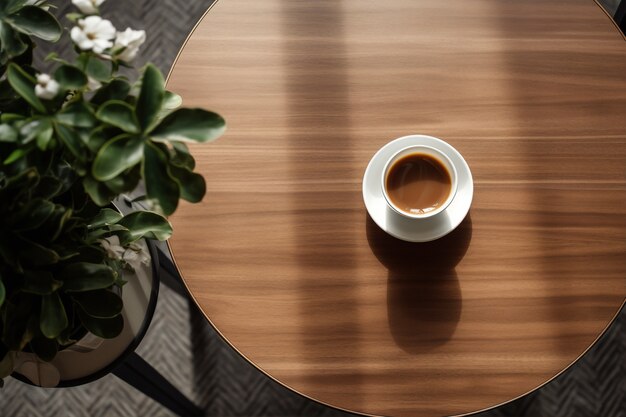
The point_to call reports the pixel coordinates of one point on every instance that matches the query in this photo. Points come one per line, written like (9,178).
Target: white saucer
(423,230)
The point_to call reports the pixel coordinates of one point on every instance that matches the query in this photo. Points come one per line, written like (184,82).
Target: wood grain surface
(282,257)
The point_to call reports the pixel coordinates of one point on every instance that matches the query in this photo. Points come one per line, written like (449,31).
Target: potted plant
(72,140)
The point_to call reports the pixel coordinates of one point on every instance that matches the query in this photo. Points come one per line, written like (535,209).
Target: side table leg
(138,373)
(620,15)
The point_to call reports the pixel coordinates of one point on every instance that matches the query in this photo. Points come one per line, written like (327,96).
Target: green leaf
(11,41)
(105,217)
(30,130)
(70,77)
(145,224)
(181,156)
(24,180)
(77,114)
(9,99)
(116,156)
(32,327)
(101,304)
(48,188)
(9,117)
(55,228)
(53,318)
(12,6)
(71,140)
(43,138)
(105,328)
(98,192)
(91,254)
(119,114)
(24,85)
(40,282)
(119,184)
(3,292)
(73,17)
(192,185)
(34,21)
(127,182)
(171,101)
(14,156)
(7,134)
(190,125)
(32,215)
(67,253)
(97,69)
(37,254)
(150,97)
(26,59)
(46,349)
(83,276)
(23,314)
(99,136)
(52,56)
(65,338)
(117,89)
(159,183)
(105,232)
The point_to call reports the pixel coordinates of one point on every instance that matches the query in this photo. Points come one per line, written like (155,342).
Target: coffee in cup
(419,181)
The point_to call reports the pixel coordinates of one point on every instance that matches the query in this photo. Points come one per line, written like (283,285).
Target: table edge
(597,2)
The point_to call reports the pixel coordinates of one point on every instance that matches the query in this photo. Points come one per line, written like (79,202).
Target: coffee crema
(418,183)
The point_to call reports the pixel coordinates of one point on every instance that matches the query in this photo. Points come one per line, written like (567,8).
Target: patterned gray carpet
(185,349)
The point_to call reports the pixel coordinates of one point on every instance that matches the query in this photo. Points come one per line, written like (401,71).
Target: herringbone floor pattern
(185,349)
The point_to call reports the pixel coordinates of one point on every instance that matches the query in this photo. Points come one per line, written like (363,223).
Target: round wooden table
(282,257)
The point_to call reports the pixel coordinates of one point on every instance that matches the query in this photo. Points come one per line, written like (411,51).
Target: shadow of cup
(423,293)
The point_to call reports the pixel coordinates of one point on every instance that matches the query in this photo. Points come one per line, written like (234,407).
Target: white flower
(93,33)
(136,254)
(46,87)
(130,40)
(88,6)
(112,247)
